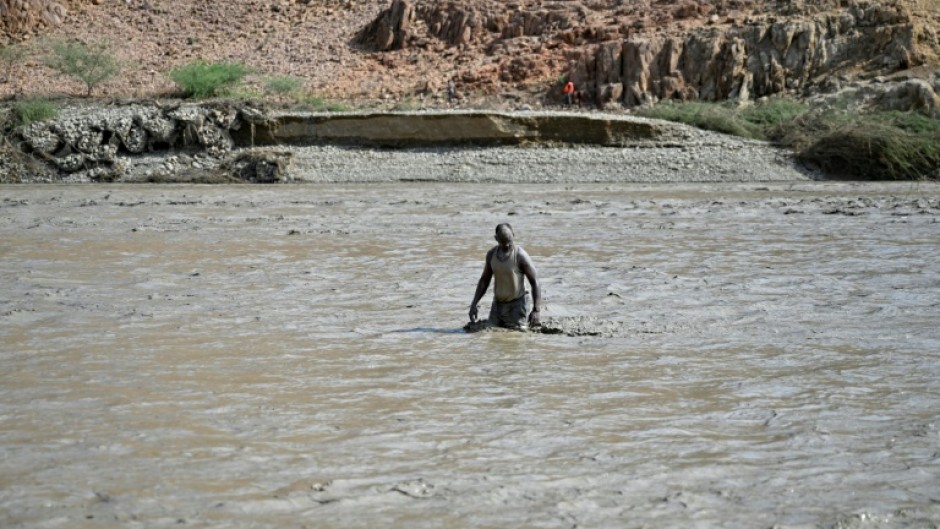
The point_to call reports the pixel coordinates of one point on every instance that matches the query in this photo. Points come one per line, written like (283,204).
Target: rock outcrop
(753,60)
(645,51)
(89,145)
(391,30)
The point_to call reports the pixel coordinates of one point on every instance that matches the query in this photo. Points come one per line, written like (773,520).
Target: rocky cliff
(633,52)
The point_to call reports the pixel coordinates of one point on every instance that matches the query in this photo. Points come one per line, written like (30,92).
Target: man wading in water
(508,263)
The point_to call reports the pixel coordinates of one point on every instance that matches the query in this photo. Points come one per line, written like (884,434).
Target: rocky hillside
(633,52)
(624,52)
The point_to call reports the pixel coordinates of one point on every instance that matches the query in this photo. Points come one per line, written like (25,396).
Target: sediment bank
(225,142)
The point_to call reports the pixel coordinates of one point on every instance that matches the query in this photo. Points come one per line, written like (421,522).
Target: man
(508,263)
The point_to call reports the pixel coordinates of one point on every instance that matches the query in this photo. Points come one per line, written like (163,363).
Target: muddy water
(292,357)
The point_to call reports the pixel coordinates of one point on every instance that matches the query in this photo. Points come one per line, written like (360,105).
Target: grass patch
(202,79)
(772,113)
(754,121)
(875,146)
(283,85)
(33,110)
(315,103)
(718,117)
(837,140)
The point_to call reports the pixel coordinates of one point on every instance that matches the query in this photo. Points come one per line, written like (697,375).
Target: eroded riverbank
(225,143)
(290,356)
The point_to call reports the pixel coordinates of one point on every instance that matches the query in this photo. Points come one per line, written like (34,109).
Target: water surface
(292,357)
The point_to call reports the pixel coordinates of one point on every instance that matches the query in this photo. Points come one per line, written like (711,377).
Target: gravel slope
(706,157)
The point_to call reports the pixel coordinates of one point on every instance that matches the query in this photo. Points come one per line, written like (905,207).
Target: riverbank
(235,142)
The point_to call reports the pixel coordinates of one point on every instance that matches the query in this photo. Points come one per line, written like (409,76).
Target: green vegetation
(32,110)
(241,93)
(91,64)
(315,103)
(15,162)
(755,121)
(837,139)
(876,146)
(709,116)
(202,79)
(772,112)
(284,85)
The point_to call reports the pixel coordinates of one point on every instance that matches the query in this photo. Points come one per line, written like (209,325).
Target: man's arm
(525,264)
(482,286)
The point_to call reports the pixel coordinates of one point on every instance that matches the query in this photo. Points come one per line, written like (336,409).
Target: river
(746,355)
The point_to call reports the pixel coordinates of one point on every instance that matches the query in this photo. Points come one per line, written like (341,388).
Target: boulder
(916,95)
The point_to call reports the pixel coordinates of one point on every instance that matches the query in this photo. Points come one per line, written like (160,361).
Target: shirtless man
(508,262)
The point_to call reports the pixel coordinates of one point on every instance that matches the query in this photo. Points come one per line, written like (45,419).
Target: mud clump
(258,166)
(567,326)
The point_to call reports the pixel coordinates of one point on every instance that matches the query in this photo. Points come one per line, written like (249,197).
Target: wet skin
(504,236)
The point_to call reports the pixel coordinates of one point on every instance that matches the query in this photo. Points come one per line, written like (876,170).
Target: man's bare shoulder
(490,253)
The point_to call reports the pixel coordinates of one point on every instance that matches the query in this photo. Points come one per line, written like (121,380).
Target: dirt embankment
(221,142)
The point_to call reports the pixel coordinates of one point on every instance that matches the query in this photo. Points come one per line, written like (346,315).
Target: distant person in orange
(569,92)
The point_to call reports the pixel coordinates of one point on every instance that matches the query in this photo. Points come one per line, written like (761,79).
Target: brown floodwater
(292,356)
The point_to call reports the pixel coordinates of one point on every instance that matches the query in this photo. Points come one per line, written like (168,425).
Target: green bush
(284,84)
(32,110)
(92,64)
(202,79)
(876,146)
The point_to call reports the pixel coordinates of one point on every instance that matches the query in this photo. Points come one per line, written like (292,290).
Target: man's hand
(534,319)
(473,314)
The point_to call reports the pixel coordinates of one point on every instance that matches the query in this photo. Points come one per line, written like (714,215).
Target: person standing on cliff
(508,263)
(569,92)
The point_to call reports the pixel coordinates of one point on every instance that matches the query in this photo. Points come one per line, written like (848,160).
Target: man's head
(504,234)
